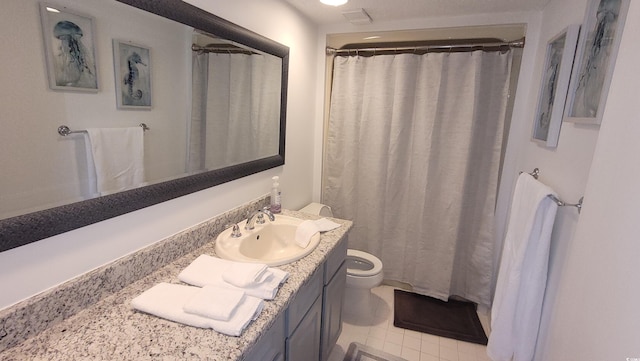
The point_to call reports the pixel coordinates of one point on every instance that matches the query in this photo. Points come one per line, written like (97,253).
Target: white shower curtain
(235,112)
(412,157)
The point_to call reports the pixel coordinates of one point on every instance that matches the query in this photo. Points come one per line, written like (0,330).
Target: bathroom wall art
(554,86)
(595,60)
(70,50)
(132,67)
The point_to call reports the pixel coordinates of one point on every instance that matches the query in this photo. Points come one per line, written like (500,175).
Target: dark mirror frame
(21,230)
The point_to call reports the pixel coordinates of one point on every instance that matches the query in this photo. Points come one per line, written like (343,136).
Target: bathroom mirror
(32,113)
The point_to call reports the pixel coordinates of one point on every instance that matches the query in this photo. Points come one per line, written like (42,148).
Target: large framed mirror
(205,127)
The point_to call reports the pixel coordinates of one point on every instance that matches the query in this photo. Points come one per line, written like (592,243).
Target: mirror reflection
(235,104)
(214,103)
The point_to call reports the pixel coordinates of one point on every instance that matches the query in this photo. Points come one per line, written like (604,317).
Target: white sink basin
(272,243)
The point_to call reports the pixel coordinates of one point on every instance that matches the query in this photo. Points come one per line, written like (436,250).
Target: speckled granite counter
(110,329)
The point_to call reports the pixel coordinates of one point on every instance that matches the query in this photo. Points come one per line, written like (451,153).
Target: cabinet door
(333,297)
(304,342)
(270,346)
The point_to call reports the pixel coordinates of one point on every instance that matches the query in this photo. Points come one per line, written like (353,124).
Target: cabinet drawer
(335,259)
(303,300)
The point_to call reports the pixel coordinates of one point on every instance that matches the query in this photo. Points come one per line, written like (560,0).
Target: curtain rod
(458,47)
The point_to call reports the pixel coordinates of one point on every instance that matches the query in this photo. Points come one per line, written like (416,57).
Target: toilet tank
(318,209)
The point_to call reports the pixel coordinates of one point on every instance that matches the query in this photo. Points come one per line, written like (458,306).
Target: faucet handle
(235,232)
(260,219)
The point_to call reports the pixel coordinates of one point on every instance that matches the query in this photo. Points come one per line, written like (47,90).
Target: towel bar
(63,130)
(536,173)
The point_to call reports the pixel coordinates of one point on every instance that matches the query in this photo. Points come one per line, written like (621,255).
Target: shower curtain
(233,111)
(412,156)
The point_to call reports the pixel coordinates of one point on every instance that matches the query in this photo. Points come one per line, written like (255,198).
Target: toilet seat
(373,261)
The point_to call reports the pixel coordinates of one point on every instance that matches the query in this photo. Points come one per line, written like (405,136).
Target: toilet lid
(367,257)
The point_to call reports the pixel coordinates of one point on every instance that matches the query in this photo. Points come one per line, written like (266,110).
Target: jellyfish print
(74,63)
(71,60)
(596,55)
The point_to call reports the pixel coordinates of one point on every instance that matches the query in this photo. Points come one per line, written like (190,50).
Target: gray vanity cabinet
(332,300)
(270,346)
(304,342)
(335,279)
(304,321)
(313,320)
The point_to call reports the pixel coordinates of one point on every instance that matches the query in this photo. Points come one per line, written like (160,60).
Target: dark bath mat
(452,319)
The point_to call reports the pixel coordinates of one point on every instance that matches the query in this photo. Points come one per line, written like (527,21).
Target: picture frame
(69,48)
(595,60)
(132,69)
(555,86)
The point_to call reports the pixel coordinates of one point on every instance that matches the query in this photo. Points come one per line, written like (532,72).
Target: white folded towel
(245,274)
(304,232)
(167,301)
(325,225)
(208,270)
(214,302)
(118,156)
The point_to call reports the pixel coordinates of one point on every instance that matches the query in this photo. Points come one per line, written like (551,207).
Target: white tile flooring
(377,331)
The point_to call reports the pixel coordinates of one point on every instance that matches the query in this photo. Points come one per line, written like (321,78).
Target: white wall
(593,314)
(33,268)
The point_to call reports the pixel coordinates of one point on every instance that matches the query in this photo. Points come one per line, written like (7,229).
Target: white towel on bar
(517,304)
(208,270)
(214,302)
(245,274)
(304,232)
(167,300)
(118,156)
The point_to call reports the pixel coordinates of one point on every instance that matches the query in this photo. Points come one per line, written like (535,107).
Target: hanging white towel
(304,232)
(214,302)
(118,155)
(207,270)
(167,301)
(517,304)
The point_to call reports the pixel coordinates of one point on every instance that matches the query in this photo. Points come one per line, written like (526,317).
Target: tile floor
(377,330)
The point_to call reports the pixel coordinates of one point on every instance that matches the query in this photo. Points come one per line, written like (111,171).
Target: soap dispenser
(276,206)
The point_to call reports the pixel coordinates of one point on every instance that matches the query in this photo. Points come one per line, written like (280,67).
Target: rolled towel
(242,274)
(208,270)
(214,302)
(167,301)
(304,232)
(325,225)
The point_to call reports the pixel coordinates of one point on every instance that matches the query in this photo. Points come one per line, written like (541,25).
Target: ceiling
(393,10)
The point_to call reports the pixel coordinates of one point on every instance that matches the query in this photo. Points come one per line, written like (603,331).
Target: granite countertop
(112,330)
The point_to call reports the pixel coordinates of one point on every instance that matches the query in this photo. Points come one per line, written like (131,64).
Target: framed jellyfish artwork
(595,60)
(70,50)
(132,68)
(554,86)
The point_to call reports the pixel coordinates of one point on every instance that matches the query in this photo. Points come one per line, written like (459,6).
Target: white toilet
(364,272)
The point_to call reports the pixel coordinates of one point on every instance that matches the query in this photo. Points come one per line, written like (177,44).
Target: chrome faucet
(259,215)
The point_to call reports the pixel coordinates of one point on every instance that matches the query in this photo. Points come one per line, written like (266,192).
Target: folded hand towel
(207,270)
(242,274)
(167,301)
(304,232)
(325,225)
(214,302)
